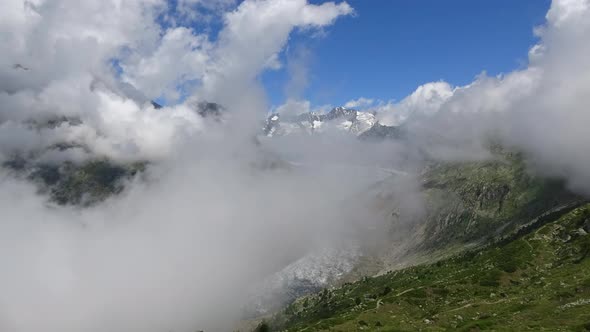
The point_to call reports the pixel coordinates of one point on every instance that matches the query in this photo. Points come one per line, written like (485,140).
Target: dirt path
(477,303)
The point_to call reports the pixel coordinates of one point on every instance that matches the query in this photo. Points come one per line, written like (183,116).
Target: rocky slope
(535,278)
(470,203)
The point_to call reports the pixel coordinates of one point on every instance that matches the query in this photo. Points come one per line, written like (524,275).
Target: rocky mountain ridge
(339,118)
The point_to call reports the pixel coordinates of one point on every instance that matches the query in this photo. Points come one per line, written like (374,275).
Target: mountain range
(339,118)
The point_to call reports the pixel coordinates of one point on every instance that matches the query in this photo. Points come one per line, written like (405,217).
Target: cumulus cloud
(298,61)
(57,40)
(425,100)
(294,107)
(550,121)
(202,9)
(214,213)
(237,62)
(182,57)
(541,109)
(360,103)
(74,57)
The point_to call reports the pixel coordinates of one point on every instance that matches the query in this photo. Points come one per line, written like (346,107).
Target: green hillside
(496,248)
(466,205)
(537,278)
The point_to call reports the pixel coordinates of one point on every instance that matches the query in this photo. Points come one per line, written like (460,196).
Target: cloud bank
(213,213)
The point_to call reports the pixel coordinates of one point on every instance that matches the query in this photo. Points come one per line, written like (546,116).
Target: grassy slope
(91,182)
(529,282)
(465,205)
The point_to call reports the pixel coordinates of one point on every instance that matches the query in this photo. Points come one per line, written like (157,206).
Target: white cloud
(67,47)
(425,100)
(186,243)
(566,11)
(191,7)
(176,254)
(551,122)
(56,39)
(294,107)
(298,60)
(241,52)
(273,63)
(181,57)
(360,103)
(541,110)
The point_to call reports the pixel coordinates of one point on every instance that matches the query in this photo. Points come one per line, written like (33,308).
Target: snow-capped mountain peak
(339,118)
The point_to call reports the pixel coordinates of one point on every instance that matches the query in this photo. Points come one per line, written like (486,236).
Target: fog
(211,216)
(176,253)
(218,209)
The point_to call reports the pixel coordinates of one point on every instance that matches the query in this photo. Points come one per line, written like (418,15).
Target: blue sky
(392,46)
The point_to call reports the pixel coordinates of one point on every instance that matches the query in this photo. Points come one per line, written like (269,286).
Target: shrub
(262,327)
(491,279)
(386,291)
